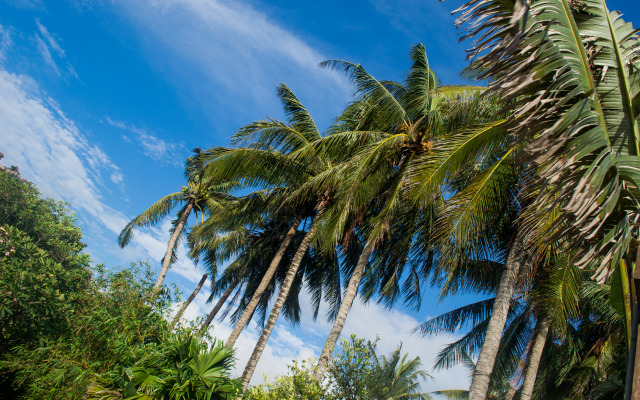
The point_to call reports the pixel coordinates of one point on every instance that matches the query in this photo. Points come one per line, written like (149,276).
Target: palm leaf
(150,216)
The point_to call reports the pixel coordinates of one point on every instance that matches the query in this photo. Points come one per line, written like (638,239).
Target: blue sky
(101,101)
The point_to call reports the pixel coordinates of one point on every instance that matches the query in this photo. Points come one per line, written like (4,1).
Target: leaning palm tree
(270,168)
(252,241)
(572,69)
(201,188)
(291,139)
(187,302)
(391,130)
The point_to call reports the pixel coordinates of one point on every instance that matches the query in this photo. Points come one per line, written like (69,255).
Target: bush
(356,373)
(111,325)
(298,384)
(37,294)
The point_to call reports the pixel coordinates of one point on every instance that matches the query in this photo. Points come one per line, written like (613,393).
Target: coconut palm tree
(252,245)
(193,295)
(290,138)
(577,117)
(398,378)
(201,188)
(390,132)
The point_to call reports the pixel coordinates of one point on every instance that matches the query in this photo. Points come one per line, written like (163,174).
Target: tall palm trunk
(277,307)
(487,357)
(345,306)
(189,300)
(218,306)
(266,279)
(172,242)
(534,360)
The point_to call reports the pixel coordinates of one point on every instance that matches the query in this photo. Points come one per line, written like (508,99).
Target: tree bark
(189,300)
(277,307)
(218,306)
(511,394)
(266,279)
(345,306)
(635,390)
(172,242)
(534,360)
(487,357)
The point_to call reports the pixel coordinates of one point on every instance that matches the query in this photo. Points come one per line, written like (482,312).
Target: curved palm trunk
(172,242)
(266,279)
(277,307)
(218,306)
(345,306)
(487,357)
(534,361)
(189,300)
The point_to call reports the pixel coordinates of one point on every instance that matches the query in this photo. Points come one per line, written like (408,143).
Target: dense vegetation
(70,330)
(524,191)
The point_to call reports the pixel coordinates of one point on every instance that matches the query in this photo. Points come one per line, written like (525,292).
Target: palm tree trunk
(345,306)
(277,307)
(534,360)
(487,357)
(189,300)
(511,394)
(218,306)
(266,279)
(172,242)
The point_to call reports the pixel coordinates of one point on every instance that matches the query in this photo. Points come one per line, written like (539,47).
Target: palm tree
(502,390)
(270,168)
(577,118)
(398,378)
(254,241)
(201,188)
(291,138)
(391,131)
(193,295)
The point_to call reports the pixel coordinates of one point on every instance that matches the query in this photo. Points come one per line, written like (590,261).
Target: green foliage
(37,294)
(182,367)
(111,325)
(48,223)
(356,373)
(298,384)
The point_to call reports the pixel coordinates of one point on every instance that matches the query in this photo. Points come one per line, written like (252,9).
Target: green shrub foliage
(356,373)
(69,330)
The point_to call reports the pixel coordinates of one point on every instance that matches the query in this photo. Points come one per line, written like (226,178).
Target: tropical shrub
(111,324)
(181,367)
(356,373)
(49,223)
(298,384)
(37,294)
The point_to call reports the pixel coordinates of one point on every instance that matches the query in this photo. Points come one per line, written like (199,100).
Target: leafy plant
(181,367)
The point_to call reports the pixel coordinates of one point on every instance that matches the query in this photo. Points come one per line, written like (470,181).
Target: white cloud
(48,46)
(217,49)
(366,321)
(52,152)
(51,41)
(152,146)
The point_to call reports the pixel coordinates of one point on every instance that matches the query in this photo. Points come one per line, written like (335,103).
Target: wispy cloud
(52,152)
(50,50)
(220,50)
(5,43)
(151,145)
(28,4)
